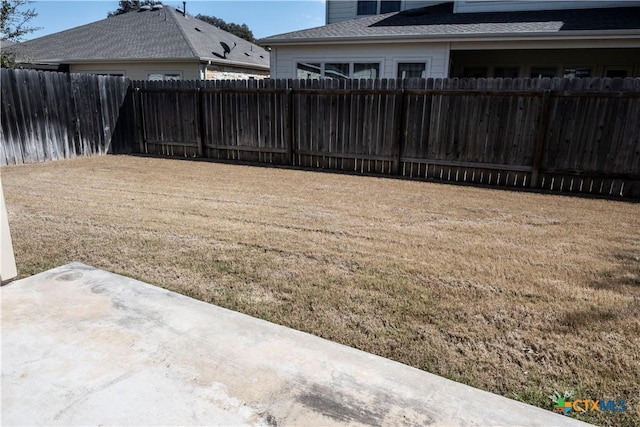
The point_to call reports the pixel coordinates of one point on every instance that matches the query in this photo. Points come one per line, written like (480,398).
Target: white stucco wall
(436,55)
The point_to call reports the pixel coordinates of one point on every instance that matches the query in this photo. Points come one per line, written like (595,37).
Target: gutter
(57,61)
(566,35)
(235,64)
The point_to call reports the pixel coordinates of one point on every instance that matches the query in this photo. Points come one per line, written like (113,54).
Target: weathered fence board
(578,135)
(49,116)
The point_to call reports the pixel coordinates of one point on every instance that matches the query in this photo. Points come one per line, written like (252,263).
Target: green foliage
(14,26)
(125,6)
(240,30)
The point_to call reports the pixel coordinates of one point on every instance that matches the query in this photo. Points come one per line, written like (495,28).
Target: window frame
(330,60)
(412,60)
(164,75)
(556,67)
(628,68)
(378,7)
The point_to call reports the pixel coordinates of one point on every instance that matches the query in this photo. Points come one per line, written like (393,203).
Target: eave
(471,37)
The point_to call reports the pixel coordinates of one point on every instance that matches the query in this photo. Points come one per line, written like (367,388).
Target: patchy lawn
(516,293)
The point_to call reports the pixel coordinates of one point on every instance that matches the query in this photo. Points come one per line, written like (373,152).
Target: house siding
(472,6)
(340,10)
(139,70)
(344,10)
(284,58)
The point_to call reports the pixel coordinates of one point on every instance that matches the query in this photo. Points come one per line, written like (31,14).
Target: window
(407,70)
(165,76)
(108,73)
(373,7)
(367,7)
(475,72)
(540,72)
(387,6)
(577,72)
(504,72)
(338,70)
(309,70)
(617,73)
(622,71)
(366,71)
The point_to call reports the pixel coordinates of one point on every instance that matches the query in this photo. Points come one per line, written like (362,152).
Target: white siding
(470,6)
(140,70)
(340,10)
(344,10)
(387,54)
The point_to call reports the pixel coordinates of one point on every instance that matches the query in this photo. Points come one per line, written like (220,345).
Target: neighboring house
(159,43)
(464,39)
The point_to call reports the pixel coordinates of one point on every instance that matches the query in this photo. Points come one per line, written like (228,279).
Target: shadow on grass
(624,278)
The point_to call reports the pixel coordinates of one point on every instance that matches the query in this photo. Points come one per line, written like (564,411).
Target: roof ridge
(174,15)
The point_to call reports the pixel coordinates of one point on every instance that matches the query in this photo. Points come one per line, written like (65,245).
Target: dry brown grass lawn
(520,294)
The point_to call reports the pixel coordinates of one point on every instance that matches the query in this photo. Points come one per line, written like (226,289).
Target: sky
(263,17)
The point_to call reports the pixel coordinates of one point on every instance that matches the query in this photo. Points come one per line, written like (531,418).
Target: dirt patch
(516,293)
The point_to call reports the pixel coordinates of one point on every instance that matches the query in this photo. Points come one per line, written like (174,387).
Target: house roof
(440,21)
(157,34)
(4,43)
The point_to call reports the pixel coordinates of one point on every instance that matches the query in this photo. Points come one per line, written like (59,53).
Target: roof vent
(144,8)
(198,29)
(157,7)
(247,53)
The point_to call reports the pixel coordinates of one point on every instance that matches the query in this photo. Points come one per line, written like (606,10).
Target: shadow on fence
(50,116)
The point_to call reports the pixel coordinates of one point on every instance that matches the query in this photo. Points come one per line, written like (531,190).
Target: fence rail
(557,134)
(568,135)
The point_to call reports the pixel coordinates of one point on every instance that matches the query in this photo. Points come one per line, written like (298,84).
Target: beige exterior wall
(436,55)
(221,72)
(140,70)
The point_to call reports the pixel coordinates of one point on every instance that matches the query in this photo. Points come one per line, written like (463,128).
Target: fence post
(200,125)
(138,119)
(289,116)
(542,132)
(399,131)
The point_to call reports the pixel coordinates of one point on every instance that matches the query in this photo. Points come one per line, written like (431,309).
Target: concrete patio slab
(81,346)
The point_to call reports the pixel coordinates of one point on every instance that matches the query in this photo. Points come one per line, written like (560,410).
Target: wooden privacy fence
(50,116)
(575,135)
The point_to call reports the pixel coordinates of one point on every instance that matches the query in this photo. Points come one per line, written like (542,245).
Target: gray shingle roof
(439,20)
(154,34)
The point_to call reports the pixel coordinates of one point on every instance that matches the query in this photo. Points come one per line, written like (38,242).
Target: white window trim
(106,72)
(427,61)
(164,73)
(350,61)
